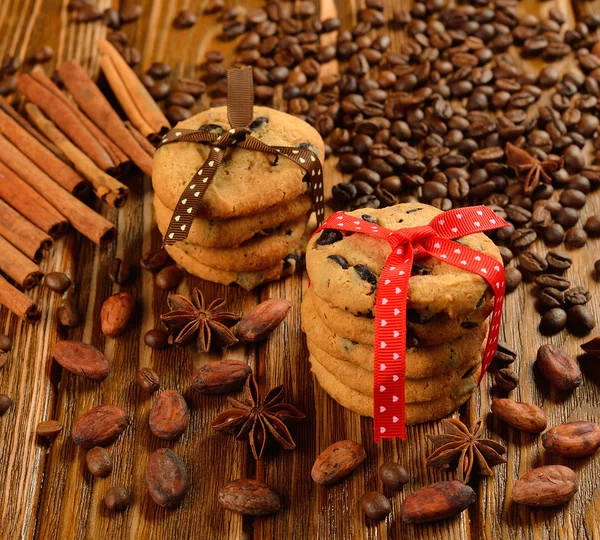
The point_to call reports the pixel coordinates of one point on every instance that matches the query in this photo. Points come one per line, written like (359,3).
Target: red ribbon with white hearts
(432,240)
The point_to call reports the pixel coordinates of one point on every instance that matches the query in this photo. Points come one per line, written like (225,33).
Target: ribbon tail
(389,347)
(189,202)
(490,269)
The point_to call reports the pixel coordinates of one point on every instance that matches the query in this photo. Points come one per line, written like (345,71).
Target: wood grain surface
(45,489)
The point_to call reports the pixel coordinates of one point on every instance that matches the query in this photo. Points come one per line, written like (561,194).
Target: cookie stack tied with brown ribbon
(447,317)
(250,223)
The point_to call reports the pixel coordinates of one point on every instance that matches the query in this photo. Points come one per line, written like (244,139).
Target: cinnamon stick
(23,234)
(61,173)
(124,98)
(17,302)
(81,216)
(9,109)
(66,120)
(17,266)
(147,107)
(121,161)
(105,187)
(93,103)
(148,147)
(30,204)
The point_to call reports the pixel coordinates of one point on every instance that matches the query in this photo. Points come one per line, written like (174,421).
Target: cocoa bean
(549,485)
(525,417)
(166,478)
(337,461)
(249,498)
(221,376)
(81,359)
(169,416)
(262,319)
(558,367)
(437,501)
(115,313)
(99,426)
(573,439)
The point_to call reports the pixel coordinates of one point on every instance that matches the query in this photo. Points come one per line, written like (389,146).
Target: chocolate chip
(365,273)
(259,122)
(329,236)
(339,260)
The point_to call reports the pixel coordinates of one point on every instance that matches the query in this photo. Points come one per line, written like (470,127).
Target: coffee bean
(559,260)
(513,278)
(551,280)
(88,13)
(119,271)
(112,19)
(57,282)
(185,19)
(506,379)
(366,274)
(597,269)
(576,238)
(159,90)
(131,13)
(338,259)
(375,505)
(552,298)
(8,85)
(5,403)
(189,86)
(393,475)
(344,192)
(156,338)
(155,260)
(99,462)
(117,498)
(177,114)
(577,296)
(574,159)
(362,188)
(148,380)
(581,320)
(533,262)
(572,198)
(553,321)
(554,234)
(68,314)
(592,225)
(349,163)
(567,217)
(507,254)
(159,70)
(169,278)
(5,343)
(214,6)
(43,54)
(523,238)
(329,236)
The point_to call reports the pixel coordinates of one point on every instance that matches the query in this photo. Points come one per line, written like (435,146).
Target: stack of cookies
(251,226)
(447,312)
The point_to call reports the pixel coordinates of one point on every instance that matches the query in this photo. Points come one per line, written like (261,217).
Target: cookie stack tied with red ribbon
(234,188)
(403,310)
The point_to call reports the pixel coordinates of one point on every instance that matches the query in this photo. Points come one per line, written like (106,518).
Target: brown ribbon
(240,101)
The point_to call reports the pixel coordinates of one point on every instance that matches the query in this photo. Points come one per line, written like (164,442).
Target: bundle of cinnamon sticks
(80,144)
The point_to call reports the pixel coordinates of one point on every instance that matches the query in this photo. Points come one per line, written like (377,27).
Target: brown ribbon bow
(240,101)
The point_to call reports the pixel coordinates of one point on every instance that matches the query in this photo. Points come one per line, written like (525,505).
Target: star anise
(191,319)
(259,419)
(463,447)
(530,168)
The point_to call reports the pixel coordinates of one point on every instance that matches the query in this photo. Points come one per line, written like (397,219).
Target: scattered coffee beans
(117,498)
(513,278)
(5,343)
(119,271)
(581,320)
(553,321)
(148,380)
(375,505)
(5,403)
(506,379)
(99,462)
(49,429)
(156,338)
(185,19)
(57,282)
(393,475)
(169,278)
(155,260)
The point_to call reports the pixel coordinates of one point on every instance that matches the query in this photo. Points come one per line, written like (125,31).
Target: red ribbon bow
(390,304)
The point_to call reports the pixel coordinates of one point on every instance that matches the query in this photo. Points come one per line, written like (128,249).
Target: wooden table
(46,491)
